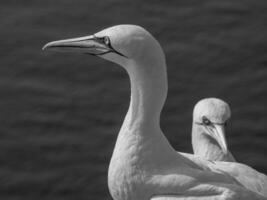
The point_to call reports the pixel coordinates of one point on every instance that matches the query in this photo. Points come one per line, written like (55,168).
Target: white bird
(144,166)
(208,130)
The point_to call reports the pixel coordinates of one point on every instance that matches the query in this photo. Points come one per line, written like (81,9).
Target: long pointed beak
(89,44)
(219,135)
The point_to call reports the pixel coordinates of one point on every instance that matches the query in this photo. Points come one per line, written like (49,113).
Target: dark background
(60,113)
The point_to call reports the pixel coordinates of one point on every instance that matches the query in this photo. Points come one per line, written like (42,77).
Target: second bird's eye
(206,121)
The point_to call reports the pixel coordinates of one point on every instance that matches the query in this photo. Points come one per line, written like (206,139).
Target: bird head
(211,114)
(119,44)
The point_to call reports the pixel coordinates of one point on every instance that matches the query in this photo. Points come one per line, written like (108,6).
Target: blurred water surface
(60,113)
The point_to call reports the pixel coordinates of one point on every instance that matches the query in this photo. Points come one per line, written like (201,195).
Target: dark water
(60,113)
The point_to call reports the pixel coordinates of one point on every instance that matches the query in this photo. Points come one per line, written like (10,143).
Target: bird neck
(148,94)
(204,145)
(140,136)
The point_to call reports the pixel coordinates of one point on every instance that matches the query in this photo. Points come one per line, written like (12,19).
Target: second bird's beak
(218,134)
(89,44)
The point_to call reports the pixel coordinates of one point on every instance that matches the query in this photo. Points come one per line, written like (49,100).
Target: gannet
(208,130)
(144,166)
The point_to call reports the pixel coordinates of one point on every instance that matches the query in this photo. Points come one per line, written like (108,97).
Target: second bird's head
(120,44)
(211,116)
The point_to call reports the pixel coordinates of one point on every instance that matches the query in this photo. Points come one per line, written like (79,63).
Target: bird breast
(125,178)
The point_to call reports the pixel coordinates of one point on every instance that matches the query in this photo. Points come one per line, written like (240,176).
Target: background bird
(210,117)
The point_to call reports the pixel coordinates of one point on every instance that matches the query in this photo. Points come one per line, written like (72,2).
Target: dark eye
(206,121)
(106,40)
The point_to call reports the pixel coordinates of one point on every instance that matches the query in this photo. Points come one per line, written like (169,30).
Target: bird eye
(106,40)
(206,121)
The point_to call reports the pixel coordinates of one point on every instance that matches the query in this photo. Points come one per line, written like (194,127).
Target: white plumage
(144,165)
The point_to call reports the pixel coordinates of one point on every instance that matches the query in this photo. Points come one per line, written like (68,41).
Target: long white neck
(148,94)
(141,127)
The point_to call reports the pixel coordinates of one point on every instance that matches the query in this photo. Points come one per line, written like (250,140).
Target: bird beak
(219,135)
(89,44)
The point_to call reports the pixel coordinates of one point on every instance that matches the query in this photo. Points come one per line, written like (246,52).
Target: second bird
(208,130)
